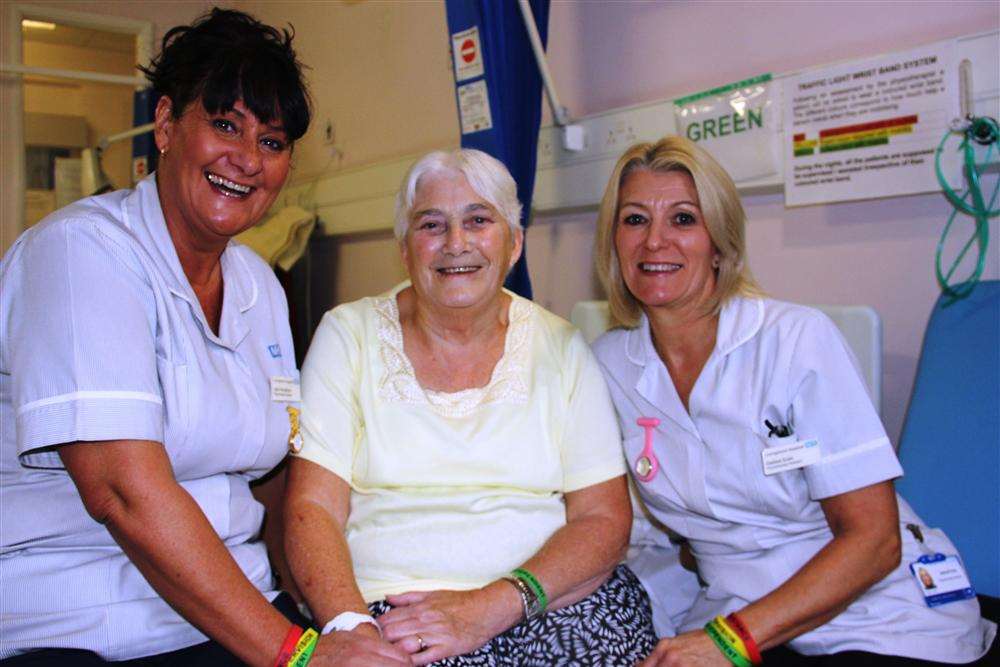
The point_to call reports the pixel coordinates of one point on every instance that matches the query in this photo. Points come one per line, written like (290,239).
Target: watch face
(643,466)
(534,607)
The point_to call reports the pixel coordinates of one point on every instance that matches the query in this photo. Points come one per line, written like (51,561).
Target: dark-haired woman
(147,376)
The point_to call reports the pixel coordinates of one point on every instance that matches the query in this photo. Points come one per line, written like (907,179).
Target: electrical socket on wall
(546,149)
(606,134)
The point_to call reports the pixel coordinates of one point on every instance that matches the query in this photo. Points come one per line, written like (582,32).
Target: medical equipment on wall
(93,180)
(972,132)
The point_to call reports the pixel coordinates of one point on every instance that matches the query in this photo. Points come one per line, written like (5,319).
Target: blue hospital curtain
(492,50)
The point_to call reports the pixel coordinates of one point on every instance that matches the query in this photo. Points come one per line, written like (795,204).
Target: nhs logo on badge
(275,350)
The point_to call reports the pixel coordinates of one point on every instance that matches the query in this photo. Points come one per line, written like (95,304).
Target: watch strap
(532,608)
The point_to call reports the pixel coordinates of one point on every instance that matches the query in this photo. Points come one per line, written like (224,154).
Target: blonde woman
(764,450)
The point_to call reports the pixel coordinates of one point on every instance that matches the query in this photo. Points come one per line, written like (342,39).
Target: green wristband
(534,584)
(728,650)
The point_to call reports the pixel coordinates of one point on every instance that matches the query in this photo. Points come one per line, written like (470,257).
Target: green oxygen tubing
(973,131)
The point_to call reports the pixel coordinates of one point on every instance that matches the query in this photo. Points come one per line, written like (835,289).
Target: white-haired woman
(460,471)
(750,433)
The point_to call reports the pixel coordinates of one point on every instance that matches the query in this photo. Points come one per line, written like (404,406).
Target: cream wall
(380,71)
(163,14)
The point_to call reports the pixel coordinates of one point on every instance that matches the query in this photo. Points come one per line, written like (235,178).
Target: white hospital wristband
(348,621)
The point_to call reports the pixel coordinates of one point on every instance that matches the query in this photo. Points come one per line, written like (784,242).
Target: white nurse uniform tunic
(104,339)
(750,532)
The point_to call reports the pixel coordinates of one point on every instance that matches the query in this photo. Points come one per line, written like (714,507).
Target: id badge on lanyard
(940,578)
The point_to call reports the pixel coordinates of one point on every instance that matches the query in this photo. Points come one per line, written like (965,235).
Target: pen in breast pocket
(777,431)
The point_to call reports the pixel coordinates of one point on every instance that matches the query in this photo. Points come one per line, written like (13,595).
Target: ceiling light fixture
(37,25)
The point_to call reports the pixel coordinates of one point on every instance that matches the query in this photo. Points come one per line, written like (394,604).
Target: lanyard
(647,465)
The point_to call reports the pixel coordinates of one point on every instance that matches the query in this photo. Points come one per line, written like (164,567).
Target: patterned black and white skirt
(611,627)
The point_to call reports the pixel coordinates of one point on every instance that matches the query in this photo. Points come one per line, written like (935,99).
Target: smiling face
(457,248)
(663,247)
(218,173)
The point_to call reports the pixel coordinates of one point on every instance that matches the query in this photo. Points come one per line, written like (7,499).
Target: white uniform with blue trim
(104,339)
(751,532)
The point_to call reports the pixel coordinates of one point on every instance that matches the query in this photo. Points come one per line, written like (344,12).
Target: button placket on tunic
(656,386)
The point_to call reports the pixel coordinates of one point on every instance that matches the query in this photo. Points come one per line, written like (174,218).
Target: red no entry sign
(468,50)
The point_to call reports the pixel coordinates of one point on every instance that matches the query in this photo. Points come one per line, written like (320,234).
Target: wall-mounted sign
(870,128)
(737,123)
(467,51)
(474,107)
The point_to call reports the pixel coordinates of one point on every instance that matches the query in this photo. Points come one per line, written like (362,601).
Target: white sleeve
(81,322)
(591,444)
(331,415)
(830,403)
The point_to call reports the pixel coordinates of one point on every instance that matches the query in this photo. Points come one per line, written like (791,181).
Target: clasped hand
(691,649)
(361,647)
(433,625)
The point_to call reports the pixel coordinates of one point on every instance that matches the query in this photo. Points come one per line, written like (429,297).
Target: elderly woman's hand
(361,647)
(691,649)
(449,622)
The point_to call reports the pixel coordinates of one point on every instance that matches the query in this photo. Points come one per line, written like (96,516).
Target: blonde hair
(487,176)
(720,205)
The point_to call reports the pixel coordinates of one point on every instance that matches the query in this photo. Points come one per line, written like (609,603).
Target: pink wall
(613,54)
(880,253)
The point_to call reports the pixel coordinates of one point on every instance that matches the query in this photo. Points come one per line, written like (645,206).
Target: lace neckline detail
(508,383)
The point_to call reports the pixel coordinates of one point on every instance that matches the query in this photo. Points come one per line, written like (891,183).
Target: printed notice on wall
(474,107)
(738,124)
(870,128)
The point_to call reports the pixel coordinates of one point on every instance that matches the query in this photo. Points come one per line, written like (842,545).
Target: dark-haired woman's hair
(226,56)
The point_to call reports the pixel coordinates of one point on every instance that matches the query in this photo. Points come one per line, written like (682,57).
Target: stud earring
(715,262)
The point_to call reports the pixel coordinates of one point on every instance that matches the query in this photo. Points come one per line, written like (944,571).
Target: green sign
(724,125)
(737,123)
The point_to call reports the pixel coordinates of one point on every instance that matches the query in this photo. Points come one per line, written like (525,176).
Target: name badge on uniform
(941,579)
(790,457)
(294,437)
(285,389)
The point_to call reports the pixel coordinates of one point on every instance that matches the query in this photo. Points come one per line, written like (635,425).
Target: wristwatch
(532,605)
